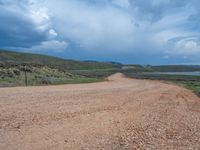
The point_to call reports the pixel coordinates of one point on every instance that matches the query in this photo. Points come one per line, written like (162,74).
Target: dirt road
(119,114)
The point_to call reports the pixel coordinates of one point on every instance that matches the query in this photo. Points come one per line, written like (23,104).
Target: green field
(190,82)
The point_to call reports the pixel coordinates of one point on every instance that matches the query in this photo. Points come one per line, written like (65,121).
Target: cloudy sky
(128,31)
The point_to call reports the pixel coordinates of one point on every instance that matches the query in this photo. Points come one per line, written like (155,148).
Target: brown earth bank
(120,113)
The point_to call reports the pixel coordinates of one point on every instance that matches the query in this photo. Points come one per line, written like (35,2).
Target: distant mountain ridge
(28,58)
(19,58)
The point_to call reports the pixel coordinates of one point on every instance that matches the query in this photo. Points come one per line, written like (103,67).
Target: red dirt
(121,113)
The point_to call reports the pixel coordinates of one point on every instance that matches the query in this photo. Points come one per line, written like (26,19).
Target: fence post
(25,72)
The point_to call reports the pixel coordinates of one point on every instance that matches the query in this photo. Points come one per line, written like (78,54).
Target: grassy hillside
(36,59)
(42,69)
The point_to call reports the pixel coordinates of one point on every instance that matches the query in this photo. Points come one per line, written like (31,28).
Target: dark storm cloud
(17,28)
(18,31)
(165,29)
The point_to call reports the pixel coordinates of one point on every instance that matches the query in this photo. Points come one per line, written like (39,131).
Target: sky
(126,31)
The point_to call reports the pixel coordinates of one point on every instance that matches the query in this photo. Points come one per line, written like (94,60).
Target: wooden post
(25,72)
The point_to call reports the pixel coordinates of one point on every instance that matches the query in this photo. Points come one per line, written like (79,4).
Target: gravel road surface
(120,114)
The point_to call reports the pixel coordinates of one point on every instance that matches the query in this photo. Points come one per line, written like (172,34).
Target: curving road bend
(120,113)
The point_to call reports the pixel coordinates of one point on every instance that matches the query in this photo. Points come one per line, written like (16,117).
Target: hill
(42,69)
(11,57)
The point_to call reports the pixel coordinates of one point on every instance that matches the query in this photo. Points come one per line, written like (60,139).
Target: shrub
(9,74)
(16,72)
(45,80)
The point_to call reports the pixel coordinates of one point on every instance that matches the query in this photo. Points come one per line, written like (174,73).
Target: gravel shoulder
(120,113)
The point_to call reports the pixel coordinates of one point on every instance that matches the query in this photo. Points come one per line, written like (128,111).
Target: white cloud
(41,18)
(93,27)
(52,45)
(121,3)
(187,47)
(52,33)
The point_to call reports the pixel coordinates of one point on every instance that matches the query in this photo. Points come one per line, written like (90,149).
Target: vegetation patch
(17,68)
(190,82)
